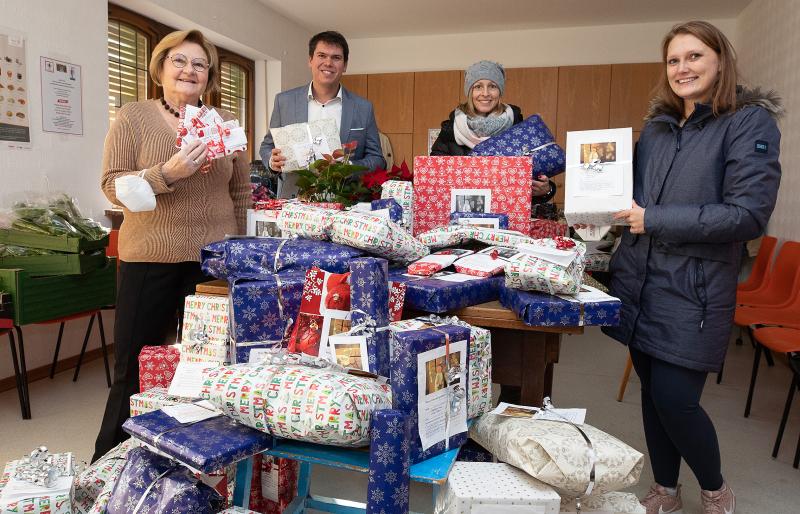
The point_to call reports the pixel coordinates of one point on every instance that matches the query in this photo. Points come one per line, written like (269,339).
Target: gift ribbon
(147,491)
(454,399)
(527,152)
(547,405)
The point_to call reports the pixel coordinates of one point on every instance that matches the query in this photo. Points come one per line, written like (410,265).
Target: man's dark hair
(332,38)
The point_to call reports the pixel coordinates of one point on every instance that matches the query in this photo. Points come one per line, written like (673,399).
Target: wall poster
(62,110)
(14,117)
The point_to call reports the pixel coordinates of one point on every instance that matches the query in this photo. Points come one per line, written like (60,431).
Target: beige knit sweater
(190,213)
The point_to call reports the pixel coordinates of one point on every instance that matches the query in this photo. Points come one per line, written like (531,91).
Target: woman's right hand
(189,159)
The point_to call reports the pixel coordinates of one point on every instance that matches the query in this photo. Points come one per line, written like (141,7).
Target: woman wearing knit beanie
(482,116)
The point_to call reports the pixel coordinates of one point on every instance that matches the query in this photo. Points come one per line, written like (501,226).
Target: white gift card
(554,255)
(188,379)
(349,351)
(589,294)
(189,412)
(514,411)
(592,232)
(303,153)
(575,416)
(455,277)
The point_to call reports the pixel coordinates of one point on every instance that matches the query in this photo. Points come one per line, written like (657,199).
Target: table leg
(26,409)
(533,368)
(17,376)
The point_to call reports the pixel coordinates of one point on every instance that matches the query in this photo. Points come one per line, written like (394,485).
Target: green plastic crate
(58,243)
(44,298)
(60,264)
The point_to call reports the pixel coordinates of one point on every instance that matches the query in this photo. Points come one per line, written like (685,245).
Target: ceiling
(383,18)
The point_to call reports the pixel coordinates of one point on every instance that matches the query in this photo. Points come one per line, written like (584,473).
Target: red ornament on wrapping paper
(274,483)
(157,365)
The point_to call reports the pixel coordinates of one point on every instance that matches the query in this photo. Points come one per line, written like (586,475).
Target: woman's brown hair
(174,39)
(723,96)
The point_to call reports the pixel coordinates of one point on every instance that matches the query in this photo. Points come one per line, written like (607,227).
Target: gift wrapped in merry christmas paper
(549,265)
(376,235)
(403,192)
(204,337)
(320,405)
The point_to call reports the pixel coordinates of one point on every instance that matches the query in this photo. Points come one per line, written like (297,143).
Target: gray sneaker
(719,502)
(659,501)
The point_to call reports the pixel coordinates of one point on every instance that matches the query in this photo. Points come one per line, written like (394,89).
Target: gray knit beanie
(485,70)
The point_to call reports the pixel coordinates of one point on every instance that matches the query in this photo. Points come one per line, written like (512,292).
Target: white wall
(73,31)
(767,46)
(521,48)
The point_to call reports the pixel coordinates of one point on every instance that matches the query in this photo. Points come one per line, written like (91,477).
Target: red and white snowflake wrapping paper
(542,228)
(438,261)
(157,365)
(274,483)
(508,178)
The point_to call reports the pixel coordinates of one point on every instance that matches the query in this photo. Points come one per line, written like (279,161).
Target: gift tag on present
(188,379)
(349,351)
(430,264)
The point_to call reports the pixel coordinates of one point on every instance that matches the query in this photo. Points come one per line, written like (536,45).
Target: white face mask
(135,193)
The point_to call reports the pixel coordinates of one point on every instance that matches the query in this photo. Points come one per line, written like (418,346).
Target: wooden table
(522,355)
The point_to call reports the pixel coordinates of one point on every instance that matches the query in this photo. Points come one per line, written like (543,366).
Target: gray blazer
(358,124)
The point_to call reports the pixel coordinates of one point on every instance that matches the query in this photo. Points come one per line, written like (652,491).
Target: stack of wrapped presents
(335,329)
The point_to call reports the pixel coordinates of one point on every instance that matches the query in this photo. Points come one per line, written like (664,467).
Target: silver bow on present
(43,469)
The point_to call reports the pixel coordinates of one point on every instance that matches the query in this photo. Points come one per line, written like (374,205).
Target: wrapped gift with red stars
(157,365)
(443,185)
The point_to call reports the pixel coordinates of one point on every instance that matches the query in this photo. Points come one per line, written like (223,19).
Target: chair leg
(626,375)
(756,362)
(785,417)
(17,375)
(58,347)
(83,348)
(719,373)
(23,371)
(768,357)
(797,454)
(103,346)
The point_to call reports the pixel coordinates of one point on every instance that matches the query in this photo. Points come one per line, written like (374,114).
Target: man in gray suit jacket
(325,97)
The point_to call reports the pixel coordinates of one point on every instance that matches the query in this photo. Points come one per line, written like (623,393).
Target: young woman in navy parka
(706,178)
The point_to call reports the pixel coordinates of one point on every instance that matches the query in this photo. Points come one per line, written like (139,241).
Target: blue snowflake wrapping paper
(541,309)
(369,292)
(389,479)
(439,296)
(260,313)
(174,489)
(473,452)
(502,223)
(250,257)
(531,137)
(206,446)
(403,378)
(395,210)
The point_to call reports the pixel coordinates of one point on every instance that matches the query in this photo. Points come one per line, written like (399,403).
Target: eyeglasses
(180,61)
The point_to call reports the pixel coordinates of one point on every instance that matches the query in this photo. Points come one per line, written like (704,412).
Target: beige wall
(767,44)
(515,49)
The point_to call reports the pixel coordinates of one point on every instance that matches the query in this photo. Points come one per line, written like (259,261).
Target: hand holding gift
(219,137)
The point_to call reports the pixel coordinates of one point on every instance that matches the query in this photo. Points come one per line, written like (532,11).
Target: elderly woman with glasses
(198,201)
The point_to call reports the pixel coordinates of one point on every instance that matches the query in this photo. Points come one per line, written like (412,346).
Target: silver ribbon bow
(42,468)
(593,165)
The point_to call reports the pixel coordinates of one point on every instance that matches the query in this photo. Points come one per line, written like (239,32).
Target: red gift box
(274,483)
(541,228)
(478,184)
(157,366)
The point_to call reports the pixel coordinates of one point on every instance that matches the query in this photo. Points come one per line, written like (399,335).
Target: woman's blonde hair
(176,38)
(723,95)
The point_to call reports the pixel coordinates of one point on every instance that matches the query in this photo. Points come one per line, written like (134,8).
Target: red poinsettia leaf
(352,145)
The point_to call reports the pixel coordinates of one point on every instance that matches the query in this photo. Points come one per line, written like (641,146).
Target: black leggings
(148,296)
(675,426)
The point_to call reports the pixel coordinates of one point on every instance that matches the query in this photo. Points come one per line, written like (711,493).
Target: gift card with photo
(349,351)
(263,223)
(439,384)
(470,200)
(599,177)
(514,411)
(333,323)
(480,222)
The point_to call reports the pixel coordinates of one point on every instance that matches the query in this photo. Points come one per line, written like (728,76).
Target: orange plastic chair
(788,340)
(760,269)
(779,287)
(777,339)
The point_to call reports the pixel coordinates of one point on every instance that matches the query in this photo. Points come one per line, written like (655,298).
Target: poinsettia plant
(374,179)
(330,179)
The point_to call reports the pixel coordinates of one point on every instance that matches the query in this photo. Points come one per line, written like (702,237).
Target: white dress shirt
(332,109)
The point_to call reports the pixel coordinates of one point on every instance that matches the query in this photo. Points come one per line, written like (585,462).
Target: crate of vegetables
(39,262)
(55,224)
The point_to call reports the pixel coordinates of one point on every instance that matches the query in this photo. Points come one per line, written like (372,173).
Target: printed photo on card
(480,222)
(434,393)
(514,411)
(470,200)
(349,351)
(333,323)
(262,223)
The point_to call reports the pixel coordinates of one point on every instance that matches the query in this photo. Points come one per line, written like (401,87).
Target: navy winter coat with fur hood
(706,187)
